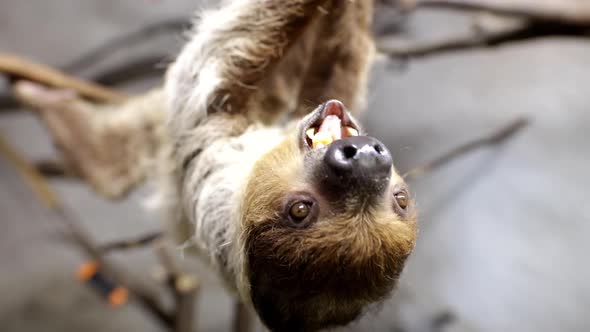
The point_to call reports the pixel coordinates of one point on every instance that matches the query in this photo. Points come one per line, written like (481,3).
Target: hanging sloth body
(300,213)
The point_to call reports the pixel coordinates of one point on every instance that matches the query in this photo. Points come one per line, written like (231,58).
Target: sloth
(303,215)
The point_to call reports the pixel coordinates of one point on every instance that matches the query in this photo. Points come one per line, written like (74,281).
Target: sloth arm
(342,55)
(231,63)
(330,60)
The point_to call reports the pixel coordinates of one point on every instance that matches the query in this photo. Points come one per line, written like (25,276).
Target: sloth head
(328,224)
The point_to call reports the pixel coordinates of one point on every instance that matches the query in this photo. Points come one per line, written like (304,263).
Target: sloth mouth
(330,123)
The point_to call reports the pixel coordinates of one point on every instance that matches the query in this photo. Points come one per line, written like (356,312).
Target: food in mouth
(330,130)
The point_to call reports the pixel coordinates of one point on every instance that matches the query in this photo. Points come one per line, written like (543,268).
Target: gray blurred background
(503,237)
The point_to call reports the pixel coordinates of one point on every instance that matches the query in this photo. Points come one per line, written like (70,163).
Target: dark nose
(360,158)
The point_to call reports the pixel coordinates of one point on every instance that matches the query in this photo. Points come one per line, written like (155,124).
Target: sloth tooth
(351,131)
(325,135)
(321,139)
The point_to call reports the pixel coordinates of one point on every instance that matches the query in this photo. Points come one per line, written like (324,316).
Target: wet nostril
(358,158)
(349,151)
(378,148)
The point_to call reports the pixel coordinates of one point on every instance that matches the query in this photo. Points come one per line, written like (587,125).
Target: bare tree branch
(488,30)
(132,243)
(183,286)
(146,297)
(48,197)
(53,169)
(496,137)
(8,104)
(30,175)
(564,11)
(242,318)
(17,67)
(398,48)
(145,66)
(174,25)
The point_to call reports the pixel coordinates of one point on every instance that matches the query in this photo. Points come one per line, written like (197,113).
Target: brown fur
(326,273)
(341,58)
(329,60)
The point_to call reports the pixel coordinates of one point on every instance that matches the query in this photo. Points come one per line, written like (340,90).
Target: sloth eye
(401,199)
(299,211)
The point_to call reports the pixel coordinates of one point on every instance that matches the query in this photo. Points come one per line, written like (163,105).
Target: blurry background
(503,241)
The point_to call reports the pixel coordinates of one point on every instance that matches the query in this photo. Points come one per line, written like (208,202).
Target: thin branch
(147,65)
(479,38)
(48,197)
(184,287)
(186,292)
(575,12)
(17,67)
(145,296)
(34,179)
(53,169)
(242,317)
(142,67)
(8,104)
(495,138)
(174,25)
(414,49)
(133,243)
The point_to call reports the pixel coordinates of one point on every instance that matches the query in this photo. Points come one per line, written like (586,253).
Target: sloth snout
(361,159)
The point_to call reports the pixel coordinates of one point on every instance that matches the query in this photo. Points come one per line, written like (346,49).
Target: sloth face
(328,224)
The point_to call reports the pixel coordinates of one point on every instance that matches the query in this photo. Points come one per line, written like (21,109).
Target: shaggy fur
(328,272)
(228,157)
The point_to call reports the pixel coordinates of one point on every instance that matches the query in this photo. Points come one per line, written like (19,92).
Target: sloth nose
(360,158)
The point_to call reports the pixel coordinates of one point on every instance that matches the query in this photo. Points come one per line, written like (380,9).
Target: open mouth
(330,124)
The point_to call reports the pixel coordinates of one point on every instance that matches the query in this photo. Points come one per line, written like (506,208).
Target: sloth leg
(111,146)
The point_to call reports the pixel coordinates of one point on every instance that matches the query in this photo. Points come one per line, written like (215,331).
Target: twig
(35,180)
(564,11)
(128,71)
(140,241)
(145,66)
(53,169)
(8,103)
(186,293)
(48,197)
(414,49)
(184,288)
(174,25)
(17,67)
(496,137)
(242,318)
(480,38)
(145,296)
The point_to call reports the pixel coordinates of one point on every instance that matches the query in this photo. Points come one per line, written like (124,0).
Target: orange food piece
(118,297)
(87,270)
